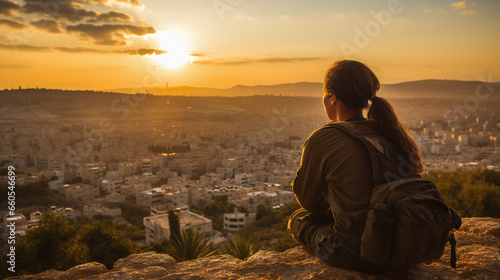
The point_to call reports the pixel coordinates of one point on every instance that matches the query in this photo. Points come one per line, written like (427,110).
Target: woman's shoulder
(362,126)
(329,132)
(335,132)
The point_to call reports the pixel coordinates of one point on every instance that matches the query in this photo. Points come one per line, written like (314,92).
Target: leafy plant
(240,248)
(44,246)
(104,243)
(188,246)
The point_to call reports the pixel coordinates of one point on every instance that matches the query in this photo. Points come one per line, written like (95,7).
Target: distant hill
(413,89)
(295,89)
(437,88)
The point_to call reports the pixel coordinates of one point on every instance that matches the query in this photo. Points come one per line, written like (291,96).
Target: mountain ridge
(410,89)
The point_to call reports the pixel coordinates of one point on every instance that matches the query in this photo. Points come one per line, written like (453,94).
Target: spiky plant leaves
(241,248)
(189,245)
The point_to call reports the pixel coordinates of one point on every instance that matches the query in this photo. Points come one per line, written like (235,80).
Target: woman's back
(339,166)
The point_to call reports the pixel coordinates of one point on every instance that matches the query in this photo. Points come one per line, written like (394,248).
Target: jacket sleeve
(309,183)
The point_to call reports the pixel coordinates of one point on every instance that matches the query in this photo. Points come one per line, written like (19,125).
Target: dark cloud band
(110,34)
(48,25)
(141,51)
(12,24)
(8,7)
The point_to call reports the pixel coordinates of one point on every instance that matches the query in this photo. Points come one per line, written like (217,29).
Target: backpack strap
(453,251)
(371,143)
(456,223)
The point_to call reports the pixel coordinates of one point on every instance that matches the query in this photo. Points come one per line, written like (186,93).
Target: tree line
(471,194)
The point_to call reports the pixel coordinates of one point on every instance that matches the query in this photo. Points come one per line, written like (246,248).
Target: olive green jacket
(335,172)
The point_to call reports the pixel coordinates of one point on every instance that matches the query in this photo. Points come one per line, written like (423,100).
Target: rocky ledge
(478,253)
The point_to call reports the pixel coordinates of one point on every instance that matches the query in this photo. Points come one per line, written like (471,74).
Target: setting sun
(175,43)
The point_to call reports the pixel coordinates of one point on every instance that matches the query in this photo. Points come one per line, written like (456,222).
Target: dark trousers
(314,230)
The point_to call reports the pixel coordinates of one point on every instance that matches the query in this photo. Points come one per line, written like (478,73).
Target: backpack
(407,222)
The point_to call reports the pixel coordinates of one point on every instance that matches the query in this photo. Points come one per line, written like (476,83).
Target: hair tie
(372,97)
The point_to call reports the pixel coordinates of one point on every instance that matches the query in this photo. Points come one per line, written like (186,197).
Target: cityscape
(246,149)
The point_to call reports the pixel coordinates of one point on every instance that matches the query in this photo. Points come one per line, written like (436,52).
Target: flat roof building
(157,227)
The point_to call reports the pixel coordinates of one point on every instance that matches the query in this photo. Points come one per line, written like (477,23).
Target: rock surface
(478,253)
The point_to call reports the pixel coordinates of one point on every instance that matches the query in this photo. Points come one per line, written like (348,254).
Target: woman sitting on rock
(335,181)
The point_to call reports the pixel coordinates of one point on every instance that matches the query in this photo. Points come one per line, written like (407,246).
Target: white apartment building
(92,173)
(112,185)
(151,197)
(79,191)
(67,213)
(242,179)
(237,220)
(20,222)
(273,199)
(146,165)
(210,179)
(127,169)
(136,179)
(134,190)
(225,172)
(163,209)
(35,216)
(157,227)
(175,198)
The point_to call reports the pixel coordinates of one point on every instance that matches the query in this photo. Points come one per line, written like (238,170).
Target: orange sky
(106,44)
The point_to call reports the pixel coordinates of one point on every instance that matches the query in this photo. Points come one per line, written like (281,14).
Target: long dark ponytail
(355,84)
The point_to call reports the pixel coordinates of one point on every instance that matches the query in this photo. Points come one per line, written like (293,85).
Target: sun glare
(175,43)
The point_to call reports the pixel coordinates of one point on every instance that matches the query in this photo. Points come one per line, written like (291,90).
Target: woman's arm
(309,183)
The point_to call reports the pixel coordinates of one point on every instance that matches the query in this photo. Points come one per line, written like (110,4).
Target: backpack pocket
(423,226)
(376,240)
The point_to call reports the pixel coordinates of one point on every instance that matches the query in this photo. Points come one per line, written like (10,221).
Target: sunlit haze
(176,46)
(116,44)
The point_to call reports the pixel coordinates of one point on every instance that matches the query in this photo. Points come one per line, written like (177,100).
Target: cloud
(108,2)
(111,16)
(442,11)
(427,10)
(469,12)
(250,60)
(198,54)
(141,51)
(71,17)
(48,25)
(8,7)
(110,34)
(23,47)
(459,5)
(12,24)
(73,10)
(68,10)
(130,2)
